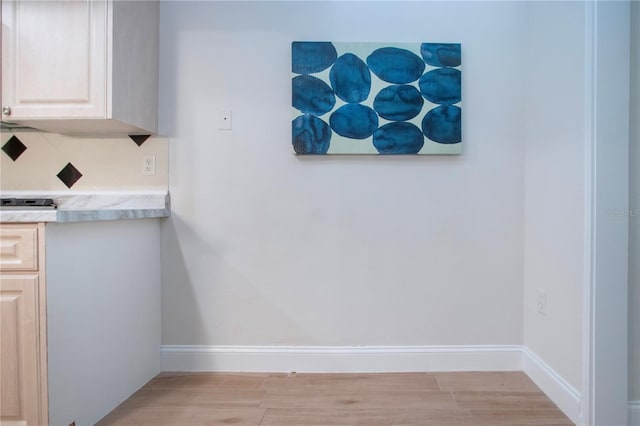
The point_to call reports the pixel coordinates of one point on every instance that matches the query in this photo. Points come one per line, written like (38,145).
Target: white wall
(634,206)
(554,183)
(103,313)
(266,248)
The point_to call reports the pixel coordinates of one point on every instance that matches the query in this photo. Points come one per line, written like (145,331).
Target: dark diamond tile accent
(69,175)
(14,148)
(139,139)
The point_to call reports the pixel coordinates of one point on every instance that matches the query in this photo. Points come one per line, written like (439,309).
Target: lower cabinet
(23,348)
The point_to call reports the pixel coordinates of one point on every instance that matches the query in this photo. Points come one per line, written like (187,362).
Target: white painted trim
(335,359)
(376,359)
(588,283)
(563,394)
(634,413)
(608,339)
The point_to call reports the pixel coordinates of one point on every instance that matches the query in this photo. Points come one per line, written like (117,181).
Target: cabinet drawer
(18,248)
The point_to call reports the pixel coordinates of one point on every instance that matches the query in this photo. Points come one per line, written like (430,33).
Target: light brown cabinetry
(23,363)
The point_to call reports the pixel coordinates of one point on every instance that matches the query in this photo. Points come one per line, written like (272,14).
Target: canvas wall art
(376,98)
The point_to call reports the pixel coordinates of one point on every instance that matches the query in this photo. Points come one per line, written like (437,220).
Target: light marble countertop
(90,206)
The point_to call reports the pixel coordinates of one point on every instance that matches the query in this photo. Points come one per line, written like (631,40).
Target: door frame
(605,292)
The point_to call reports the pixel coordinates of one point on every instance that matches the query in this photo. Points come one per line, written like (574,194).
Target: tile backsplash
(31,160)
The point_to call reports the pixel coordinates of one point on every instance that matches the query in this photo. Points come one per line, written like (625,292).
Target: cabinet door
(21,399)
(54,56)
(18,248)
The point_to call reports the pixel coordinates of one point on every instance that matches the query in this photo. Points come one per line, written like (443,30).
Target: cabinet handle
(6,110)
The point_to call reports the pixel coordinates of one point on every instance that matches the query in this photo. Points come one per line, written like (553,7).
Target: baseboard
(634,413)
(337,359)
(380,359)
(565,396)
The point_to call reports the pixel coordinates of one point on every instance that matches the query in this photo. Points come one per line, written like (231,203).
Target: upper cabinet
(80,66)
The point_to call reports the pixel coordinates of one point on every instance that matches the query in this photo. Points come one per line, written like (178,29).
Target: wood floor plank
(520,417)
(371,382)
(416,399)
(190,380)
(490,400)
(373,417)
(505,381)
(214,398)
(332,399)
(188,416)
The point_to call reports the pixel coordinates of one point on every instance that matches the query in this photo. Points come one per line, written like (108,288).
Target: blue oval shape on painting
(441,54)
(308,57)
(310,135)
(394,65)
(442,86)
(350,78)
(398,138)
(311,95)
(398,103)
(443,124)
(354,121)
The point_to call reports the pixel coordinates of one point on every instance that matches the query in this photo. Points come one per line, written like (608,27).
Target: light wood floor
(478,398)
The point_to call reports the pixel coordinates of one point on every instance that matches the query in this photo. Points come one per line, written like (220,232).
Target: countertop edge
(28,216)
(89,207)
(68,216)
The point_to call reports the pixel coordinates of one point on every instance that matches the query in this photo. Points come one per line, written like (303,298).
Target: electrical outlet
(541,301)
(149,165)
